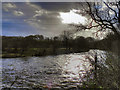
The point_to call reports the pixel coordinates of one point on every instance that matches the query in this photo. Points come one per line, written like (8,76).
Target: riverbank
(19,52)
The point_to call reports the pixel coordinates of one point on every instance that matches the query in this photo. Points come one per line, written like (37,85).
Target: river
(61,71)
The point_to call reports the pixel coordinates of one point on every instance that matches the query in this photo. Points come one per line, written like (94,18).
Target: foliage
(38,45)
(108,73)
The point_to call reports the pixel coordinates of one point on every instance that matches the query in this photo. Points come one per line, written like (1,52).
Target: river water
(61,71)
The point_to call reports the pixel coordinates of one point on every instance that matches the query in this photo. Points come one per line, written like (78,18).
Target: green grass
(19,52)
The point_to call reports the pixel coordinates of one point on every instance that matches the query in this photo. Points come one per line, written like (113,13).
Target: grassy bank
(19,52)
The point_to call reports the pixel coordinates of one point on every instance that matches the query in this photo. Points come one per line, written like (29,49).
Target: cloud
(45,21)
(18,13)
(47,24)
(33,5)
(40,12)
(8,6)
(57,6)
(72,17)
(43,17)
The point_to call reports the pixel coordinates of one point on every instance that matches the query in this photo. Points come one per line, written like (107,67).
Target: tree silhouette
(107,17)
(102,16)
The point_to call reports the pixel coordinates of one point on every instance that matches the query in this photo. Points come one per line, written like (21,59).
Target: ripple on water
(62,71)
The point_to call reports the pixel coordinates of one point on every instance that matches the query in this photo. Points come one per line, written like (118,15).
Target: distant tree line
(38,44)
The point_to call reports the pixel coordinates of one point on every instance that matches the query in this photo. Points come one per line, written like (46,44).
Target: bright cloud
(18,13)
(72,17)
(40,12)
(8,6)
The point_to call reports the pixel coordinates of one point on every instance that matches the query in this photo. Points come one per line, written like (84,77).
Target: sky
(44,18)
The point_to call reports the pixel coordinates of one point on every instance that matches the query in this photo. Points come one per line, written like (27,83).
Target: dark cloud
(44,17)
(51,18)
(57,6)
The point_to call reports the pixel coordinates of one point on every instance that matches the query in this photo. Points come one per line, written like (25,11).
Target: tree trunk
(95,74)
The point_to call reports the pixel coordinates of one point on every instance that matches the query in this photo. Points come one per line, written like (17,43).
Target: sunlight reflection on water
(47,71)
(75,65)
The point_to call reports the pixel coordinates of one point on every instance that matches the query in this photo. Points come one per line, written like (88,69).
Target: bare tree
(104,16)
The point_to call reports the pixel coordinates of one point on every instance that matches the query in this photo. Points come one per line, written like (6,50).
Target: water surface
(61,71)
